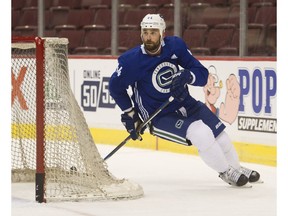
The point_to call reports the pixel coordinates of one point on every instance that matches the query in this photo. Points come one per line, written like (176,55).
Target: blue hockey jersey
(150,77)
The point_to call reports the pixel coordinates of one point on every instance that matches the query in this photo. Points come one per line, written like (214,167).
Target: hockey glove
(131,121)
(179,89)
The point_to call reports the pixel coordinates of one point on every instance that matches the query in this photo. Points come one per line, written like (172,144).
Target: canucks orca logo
(162,76)
(179,123)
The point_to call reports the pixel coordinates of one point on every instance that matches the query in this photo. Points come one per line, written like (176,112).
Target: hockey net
(51,141)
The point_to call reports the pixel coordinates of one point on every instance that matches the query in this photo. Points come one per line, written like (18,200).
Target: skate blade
(248,185)
(260,181)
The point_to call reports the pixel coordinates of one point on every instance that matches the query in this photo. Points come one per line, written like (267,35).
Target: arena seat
(234,14)
(256,35)
(267,45)
(134,16)
(255,42)
(73,18)
(96,38)
(160,3)
(120,50)
(148,6)
(88,3)
(28,16)
(15,18)
(194,36)
(271,38)
(220,3)
(253,2)
(168,15)
(25,31)
(49,33)
(167,11)
(86,51)
(227,51)
(132,3)
(200,51)
(60,28)
(129,38)
(102,18)
(34,3)
(266,15)
(235,39)
(217,3)
(18,5)
(219,36)
(169,32)
(75,37)
(213,16)
(72,4)
(58,16)
(195,13)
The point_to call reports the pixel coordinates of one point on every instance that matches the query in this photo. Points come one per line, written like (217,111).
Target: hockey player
(162,67)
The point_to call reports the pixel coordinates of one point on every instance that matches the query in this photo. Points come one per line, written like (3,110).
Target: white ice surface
(174,185)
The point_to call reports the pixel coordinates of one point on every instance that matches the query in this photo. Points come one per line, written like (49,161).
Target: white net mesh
(74,169)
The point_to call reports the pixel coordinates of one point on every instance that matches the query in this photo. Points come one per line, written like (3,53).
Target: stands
(209,27)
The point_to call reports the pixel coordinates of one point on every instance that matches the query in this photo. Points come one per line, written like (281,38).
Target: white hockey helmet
(154,21)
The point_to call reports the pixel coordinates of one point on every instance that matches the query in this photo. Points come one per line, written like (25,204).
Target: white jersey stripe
(169,136)
(138,100)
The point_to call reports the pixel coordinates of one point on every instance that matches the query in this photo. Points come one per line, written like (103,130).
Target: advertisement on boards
(243,95)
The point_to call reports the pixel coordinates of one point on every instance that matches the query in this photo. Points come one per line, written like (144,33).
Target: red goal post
(51,141)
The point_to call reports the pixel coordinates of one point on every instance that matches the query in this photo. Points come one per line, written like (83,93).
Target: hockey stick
(141,126)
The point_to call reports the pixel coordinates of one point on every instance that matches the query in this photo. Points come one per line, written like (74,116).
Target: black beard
(152,47)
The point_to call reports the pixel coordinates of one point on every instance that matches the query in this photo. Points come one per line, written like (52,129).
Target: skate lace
(233,175)
(245,171)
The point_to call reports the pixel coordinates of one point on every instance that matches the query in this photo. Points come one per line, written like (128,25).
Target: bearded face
(151,39)
(151,46)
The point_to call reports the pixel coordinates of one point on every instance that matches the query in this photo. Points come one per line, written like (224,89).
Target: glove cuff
(131,113)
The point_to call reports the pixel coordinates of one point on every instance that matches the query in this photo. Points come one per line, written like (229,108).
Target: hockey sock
(209,150)
(228,150)
(214,158)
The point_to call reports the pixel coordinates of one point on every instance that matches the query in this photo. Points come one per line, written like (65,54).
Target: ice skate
(234,177)
(252,175)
